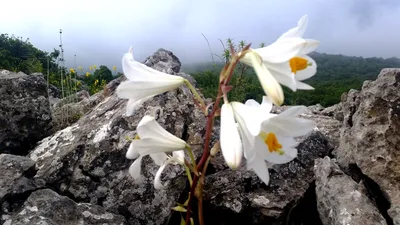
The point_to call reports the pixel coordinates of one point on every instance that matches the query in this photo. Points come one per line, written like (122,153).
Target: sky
(100,32)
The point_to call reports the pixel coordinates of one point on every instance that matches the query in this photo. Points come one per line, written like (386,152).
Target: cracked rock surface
(86,161)
(25,115)
(340,199)
(79,174)
(370,136)
(47,207)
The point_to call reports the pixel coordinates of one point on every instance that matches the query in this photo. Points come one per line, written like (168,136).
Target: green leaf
(179,209)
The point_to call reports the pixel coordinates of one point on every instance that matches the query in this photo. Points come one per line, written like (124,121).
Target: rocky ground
(74,171)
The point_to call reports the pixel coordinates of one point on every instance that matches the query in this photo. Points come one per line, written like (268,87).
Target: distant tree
(335,74)
(103,73)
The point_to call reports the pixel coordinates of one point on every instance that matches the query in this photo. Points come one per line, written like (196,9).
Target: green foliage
(97,86)
(98,79)
(20,55)
(336,74)
(103,73)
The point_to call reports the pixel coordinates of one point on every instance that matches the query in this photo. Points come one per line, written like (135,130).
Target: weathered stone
(328,126)
(86,160)
(164,61)
(316,109)
(241,191)
(334,111)
(370,135)
(16,180)
(71,109)
(25,116)
(340,199)
(47,207)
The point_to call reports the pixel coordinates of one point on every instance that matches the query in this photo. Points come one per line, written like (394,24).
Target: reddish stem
(206,152)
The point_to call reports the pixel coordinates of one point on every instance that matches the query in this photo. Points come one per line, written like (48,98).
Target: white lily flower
(285,61)
(269,136)
(154,141)
(177,158)
(231,144)
(277,132)
(143,82)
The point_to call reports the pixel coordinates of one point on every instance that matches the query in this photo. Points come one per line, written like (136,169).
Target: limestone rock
(25,116)
(47,207)
(87,162)
(16,180)
(370,135)
(164,61)
(340,199)
(334,111)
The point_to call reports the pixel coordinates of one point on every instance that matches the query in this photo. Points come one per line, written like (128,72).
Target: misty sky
(100,32)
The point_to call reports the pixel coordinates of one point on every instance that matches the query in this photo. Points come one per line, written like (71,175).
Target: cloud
(100,32)
(367,11)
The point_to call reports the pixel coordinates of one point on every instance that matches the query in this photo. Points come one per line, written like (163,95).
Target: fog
(101,32)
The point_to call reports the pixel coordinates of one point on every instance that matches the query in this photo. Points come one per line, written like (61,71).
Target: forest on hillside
(19,55)
(335,74)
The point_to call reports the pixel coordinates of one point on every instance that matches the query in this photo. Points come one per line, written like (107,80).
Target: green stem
(191,155)
(195,93)
(189,175)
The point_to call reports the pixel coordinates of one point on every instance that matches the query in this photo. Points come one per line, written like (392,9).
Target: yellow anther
(272,142)
(298,63)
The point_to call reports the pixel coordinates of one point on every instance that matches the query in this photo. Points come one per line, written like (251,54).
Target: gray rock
(16,180)
(164,61)
(316,109)
(334,111)
(86,160)
(25,116)
(340,199)
(370,134)
(242,191)
(47,207)
(71,109)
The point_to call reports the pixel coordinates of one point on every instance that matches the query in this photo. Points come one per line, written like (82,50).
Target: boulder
(25,115)
(47,207)
(86,161)
(370,134)
(340,199)
(16,181)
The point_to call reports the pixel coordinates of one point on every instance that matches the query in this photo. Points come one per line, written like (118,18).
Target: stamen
(298,63)
(272,142)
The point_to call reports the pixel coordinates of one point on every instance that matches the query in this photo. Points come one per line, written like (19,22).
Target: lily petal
(140,89)
(259,166)
(178,157)
(149,128)
(309,71)
(288,148)
(294,111)
(271,87)
(231,144)
(251,117)
(135,168)
(266,104)
(310,46)
(293,127)
(304,86)
(296,31)
(153,145)
(132,152)
(281,51)
(136,71)
(159,158)
(157,179)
